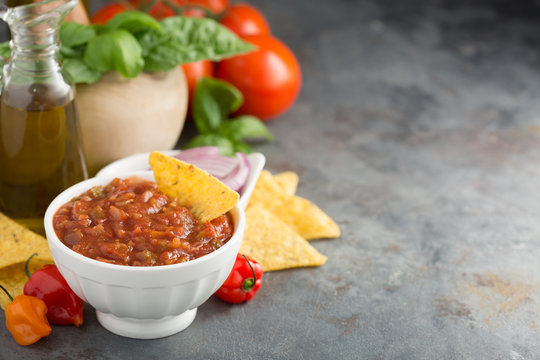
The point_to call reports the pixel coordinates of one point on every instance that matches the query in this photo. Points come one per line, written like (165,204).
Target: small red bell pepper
(243,281)
(26,318)
(47,284)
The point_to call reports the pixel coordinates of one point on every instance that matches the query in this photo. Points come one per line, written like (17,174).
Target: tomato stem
(127,4)
(249,283)
(26,265)
(7,293)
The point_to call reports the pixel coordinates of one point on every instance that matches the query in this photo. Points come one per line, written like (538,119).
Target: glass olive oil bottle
(40,148)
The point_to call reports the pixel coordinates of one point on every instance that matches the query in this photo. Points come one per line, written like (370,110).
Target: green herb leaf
(245,127)
(212,104)
(5,50)
(240,146)
(186,39)
(163,57)
(74,34)
(133,41)
(207,113)
(99,28)
(227,95)
(80,72)
(133,21)
(225,146)
(203,39)
(72,52)
(115,50)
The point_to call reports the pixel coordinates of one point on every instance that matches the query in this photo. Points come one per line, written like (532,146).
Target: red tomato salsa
(129,222)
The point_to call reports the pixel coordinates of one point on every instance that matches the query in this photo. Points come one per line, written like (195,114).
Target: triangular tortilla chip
(267,191)
(274,244)
(13,278)
(301,214)
(17,243)
(287,181)
(203,194)
(308,219)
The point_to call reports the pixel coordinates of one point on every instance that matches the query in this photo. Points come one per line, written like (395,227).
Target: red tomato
(196,70)
(194,13)
(215,6)
(158,10)
(108,12)
(244,19)
(269,78)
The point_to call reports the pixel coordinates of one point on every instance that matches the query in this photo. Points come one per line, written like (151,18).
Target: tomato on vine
(108,12)
(244,19)
(215,7)
(162,8)
(195,71)
(269,77)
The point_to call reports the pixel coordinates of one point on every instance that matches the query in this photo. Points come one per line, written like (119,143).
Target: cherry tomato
(269,77)
(244,19)
(108,12)
(196,70)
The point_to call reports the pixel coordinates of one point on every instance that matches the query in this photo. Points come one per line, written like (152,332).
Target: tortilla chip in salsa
(204,195)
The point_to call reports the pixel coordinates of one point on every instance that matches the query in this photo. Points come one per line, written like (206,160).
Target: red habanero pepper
(26,318)
(47,284)
(243,281)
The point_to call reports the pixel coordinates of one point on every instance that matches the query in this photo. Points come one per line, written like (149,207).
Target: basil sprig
(213,103)
(133,41)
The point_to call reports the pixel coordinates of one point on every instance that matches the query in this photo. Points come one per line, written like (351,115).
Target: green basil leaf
(152,39)
(99,28)
(206,110)
(71,52)
(133,21)
(80,72)
(164,57)
(203,39)
(159,52)
(225,146)
(240,146)
(228,96)
(75,34)
(5,50)
(115,50)
(245,127)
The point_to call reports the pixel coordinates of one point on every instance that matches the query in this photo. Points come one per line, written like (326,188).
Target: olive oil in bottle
(40,148)
(40,155)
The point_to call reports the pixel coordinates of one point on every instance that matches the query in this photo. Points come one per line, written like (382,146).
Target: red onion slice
(197,153)
(232,171)
(238,176)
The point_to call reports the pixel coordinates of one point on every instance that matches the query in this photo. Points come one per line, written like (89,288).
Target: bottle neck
(34,52)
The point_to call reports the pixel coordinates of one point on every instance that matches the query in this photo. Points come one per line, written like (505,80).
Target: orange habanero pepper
(26,318)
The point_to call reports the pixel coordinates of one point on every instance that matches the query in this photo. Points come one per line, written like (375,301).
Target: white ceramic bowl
(139,162)
(142,302)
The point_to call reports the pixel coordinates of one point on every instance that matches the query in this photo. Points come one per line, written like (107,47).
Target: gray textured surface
(418,130)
